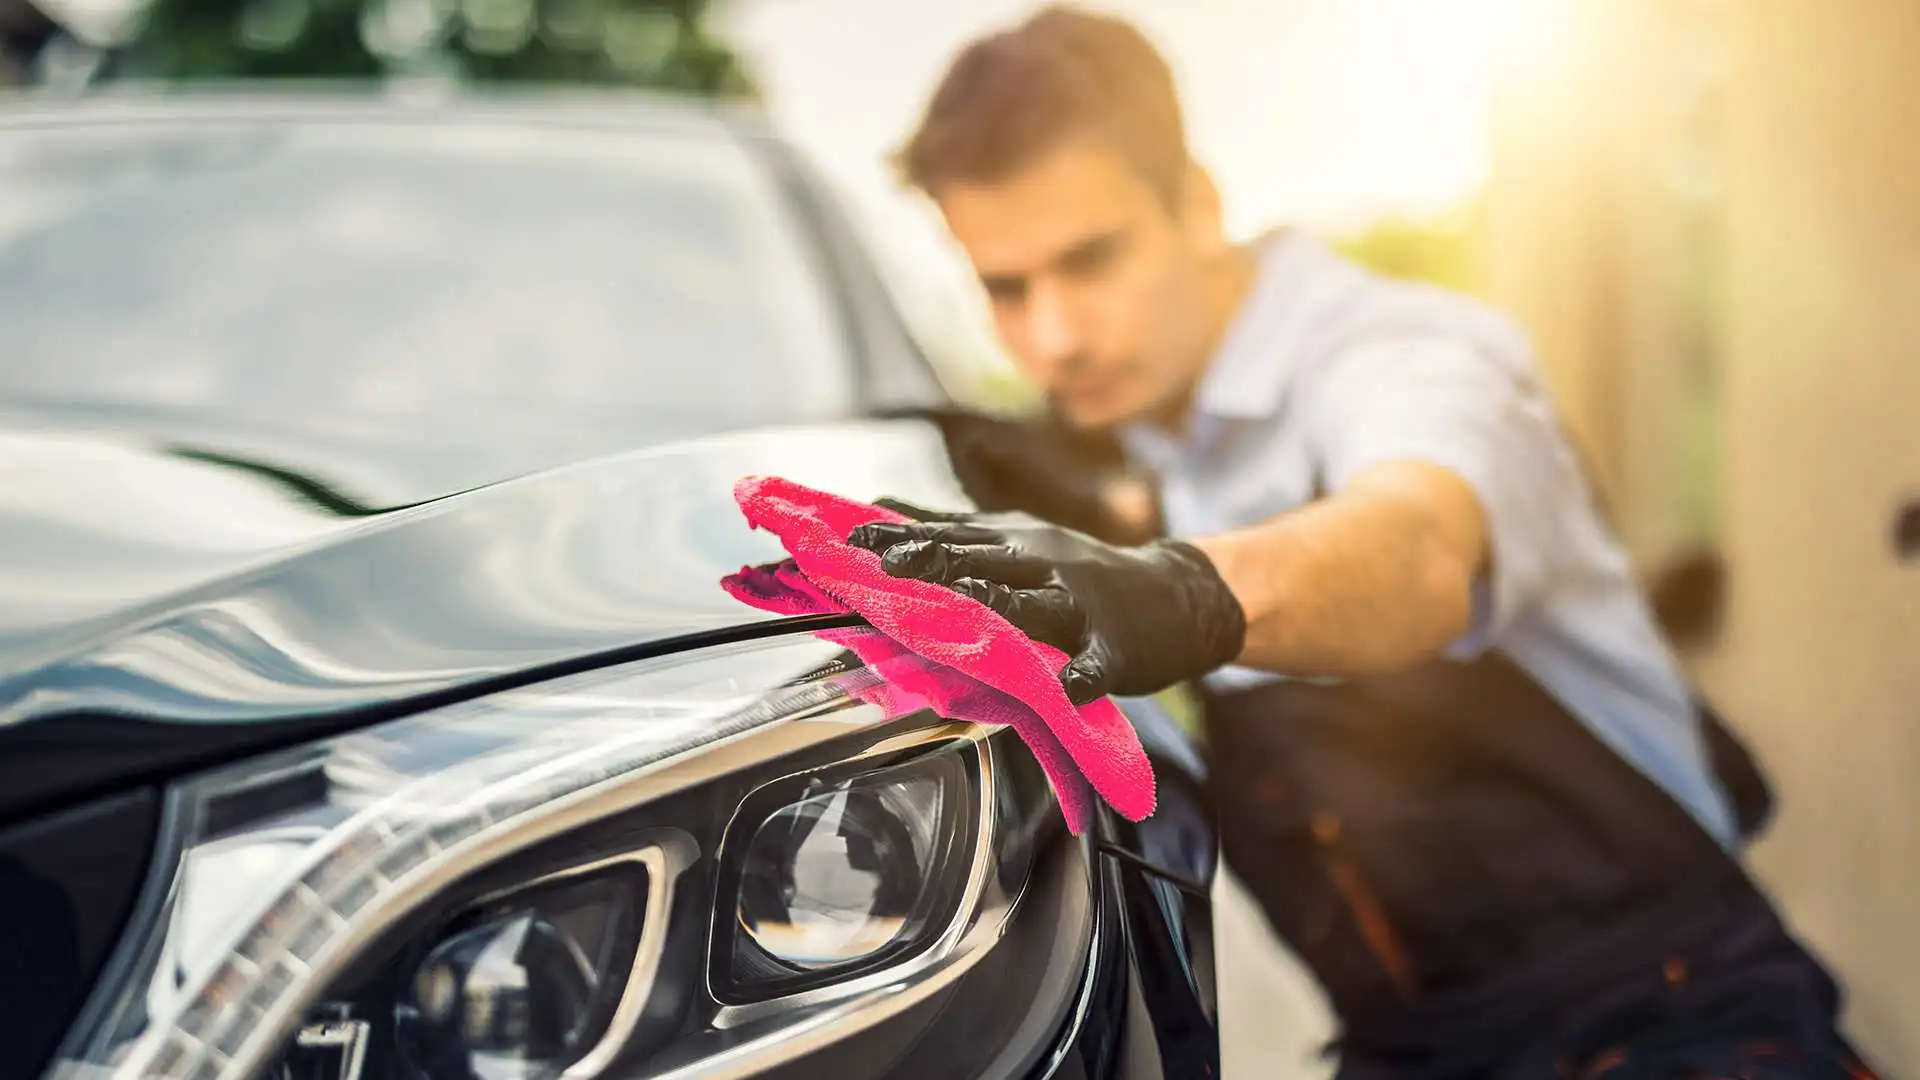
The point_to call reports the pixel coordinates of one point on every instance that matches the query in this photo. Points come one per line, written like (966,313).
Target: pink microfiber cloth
(911,683)
(1006,677)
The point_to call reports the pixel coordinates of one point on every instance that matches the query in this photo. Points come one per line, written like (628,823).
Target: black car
(370,706)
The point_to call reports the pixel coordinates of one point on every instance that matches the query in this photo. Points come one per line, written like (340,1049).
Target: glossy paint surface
(153,595)
(236,486)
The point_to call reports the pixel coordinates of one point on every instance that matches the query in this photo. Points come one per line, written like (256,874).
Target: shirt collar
(1253,364)
(1248,374)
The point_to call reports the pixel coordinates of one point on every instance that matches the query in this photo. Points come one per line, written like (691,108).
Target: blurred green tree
(655,43)
(1443,250)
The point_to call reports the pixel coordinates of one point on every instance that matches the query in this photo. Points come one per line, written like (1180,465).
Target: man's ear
(1201,215)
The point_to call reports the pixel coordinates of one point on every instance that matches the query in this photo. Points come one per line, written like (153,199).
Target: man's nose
(1052,334)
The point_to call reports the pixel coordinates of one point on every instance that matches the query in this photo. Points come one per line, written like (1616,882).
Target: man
(1456,762)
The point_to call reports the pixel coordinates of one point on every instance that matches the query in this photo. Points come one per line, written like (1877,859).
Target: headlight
(701,864)
(521,987)
(840,873)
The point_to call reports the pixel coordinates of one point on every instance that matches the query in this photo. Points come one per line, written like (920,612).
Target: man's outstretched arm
(1372,578)
(1449,501)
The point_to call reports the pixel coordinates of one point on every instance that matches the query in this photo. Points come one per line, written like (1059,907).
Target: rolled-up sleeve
(1448,403)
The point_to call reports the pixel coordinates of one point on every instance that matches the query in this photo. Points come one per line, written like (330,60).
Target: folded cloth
(910,683)
(959,633)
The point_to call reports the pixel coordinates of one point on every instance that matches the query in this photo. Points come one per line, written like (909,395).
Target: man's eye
(1091,258)
(1005,290)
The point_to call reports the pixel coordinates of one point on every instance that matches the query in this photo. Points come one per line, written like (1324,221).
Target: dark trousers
(1698,1058)
(1487,892)
(1748,1004)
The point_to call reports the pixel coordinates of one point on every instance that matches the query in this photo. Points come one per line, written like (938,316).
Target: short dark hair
(1014,95)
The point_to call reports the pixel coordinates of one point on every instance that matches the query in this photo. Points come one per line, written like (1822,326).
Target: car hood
(160,590)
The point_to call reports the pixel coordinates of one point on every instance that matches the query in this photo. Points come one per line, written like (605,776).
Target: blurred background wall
(1710,217)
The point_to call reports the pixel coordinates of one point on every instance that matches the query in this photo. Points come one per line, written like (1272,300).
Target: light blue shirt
(1327,370)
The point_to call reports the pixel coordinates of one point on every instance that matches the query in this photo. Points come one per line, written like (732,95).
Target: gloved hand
(1039,466)
(1135,620)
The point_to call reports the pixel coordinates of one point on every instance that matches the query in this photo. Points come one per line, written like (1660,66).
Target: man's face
(1098,288)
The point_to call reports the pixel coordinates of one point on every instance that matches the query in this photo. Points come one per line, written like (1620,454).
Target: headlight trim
(165,1049)
(665,853)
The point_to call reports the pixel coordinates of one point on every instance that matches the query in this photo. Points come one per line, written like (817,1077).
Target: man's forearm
(1372,579)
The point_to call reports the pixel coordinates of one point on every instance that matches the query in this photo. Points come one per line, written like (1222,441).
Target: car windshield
(436,276)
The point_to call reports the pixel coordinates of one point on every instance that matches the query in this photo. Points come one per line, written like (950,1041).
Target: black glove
(1036,465)
(1134,620)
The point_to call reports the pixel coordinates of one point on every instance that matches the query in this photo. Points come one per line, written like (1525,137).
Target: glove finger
(1047,615)
(879,536)
(944,564)
(916,511)
(1085,676)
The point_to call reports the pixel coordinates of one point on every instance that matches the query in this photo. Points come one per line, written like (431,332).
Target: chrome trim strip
(666,859)
(1090,981)
(1036,1048)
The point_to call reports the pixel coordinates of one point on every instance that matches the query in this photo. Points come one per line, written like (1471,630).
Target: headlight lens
(653,865)
(523,989)
(848,871)
(837,877)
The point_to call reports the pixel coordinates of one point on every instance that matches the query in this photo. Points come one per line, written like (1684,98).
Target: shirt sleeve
(1484,419)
